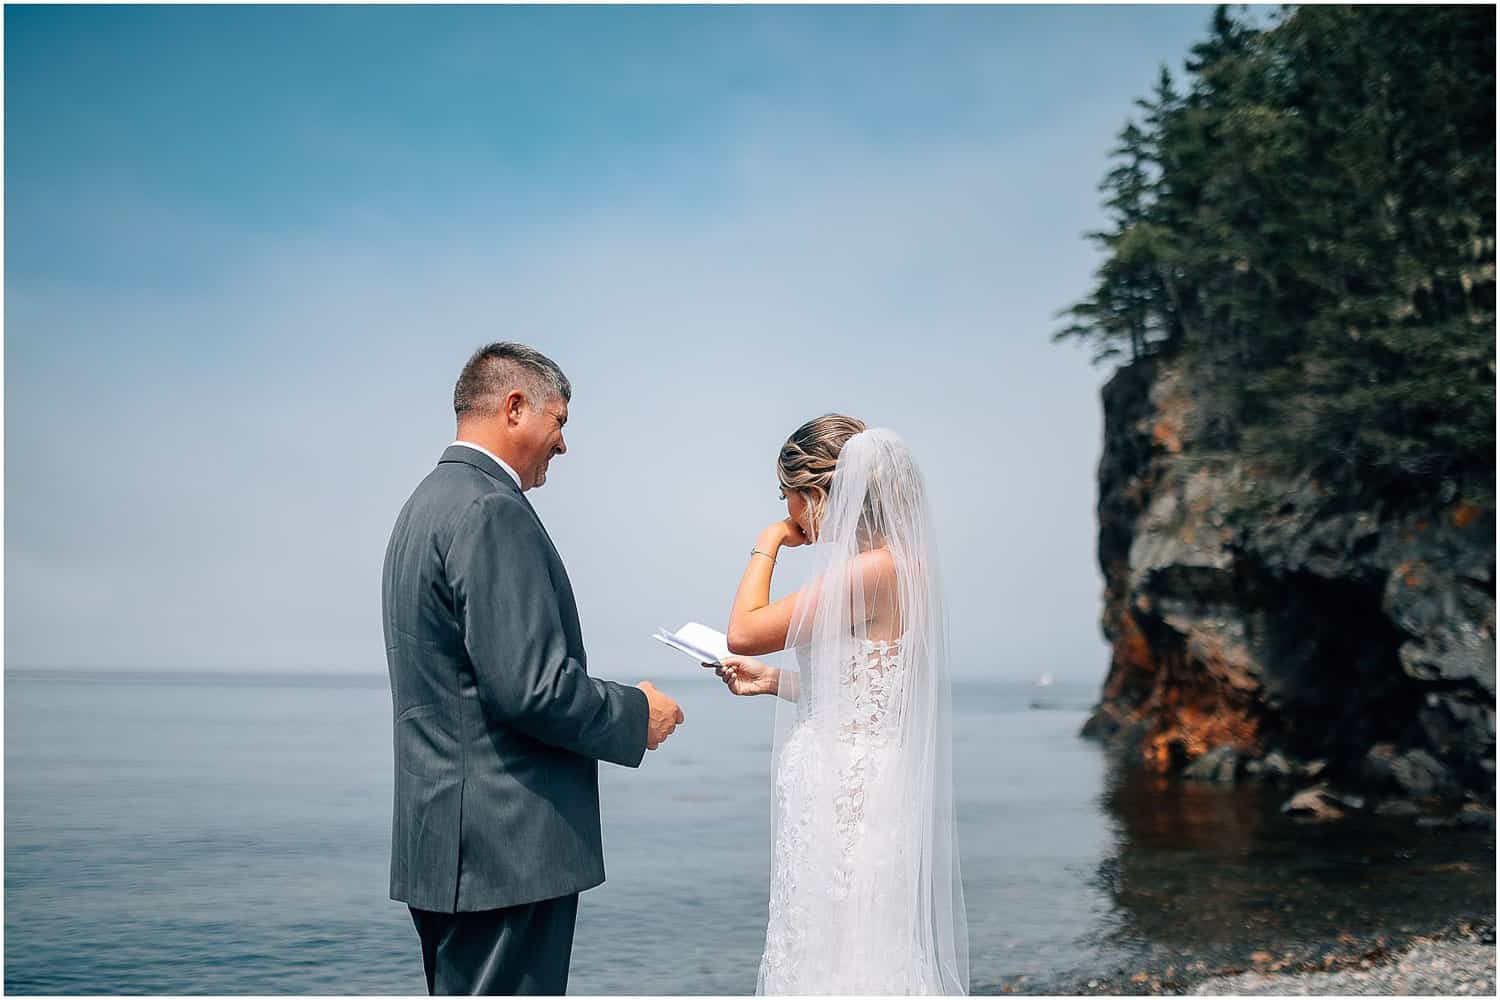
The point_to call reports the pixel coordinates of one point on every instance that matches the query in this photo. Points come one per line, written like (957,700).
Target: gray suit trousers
(515,950)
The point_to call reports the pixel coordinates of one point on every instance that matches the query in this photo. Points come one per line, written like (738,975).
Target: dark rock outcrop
(1281,626)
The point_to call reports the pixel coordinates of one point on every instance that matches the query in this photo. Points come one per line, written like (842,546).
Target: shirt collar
(494,458)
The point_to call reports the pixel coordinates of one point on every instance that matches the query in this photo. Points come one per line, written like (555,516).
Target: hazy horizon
(248,250)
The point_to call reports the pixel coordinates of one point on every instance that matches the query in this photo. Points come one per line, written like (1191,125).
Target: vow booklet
(702,643)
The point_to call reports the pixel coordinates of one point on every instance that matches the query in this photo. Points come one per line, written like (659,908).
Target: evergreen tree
(1311,225)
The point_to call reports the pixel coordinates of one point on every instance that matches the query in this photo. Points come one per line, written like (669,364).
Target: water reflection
(1204,877)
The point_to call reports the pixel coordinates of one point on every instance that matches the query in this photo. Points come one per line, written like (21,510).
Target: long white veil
(867,847)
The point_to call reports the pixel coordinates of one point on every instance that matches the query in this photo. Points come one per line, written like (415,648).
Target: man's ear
(515,404)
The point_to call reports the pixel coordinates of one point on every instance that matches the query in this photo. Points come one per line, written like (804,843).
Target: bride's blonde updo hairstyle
(810,455)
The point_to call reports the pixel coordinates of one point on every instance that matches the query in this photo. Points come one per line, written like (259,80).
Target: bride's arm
(756,624)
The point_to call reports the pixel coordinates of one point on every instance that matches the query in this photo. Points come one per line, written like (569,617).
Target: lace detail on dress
(857,882)
(867,725)
(872,681)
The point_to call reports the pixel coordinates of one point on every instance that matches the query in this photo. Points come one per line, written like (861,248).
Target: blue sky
(247,250)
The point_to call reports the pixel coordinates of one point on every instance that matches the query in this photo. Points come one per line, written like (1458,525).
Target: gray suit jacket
(498,726)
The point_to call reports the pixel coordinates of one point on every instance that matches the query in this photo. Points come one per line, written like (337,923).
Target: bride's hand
(792,534)
(745,675)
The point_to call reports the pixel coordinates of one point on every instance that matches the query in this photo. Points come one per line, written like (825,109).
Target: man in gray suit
(498,726)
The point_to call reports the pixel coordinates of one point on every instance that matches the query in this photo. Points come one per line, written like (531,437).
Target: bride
(865,890)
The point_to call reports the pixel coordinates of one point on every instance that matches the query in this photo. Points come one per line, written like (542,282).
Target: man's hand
(665,715)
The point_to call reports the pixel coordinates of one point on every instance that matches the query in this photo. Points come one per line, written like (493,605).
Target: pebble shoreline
(1460,965)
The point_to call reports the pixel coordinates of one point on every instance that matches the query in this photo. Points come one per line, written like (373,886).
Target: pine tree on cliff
(1395,374)
(1137,299)
(1311,227)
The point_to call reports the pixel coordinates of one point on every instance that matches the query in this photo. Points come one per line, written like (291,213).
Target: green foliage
(1311,225)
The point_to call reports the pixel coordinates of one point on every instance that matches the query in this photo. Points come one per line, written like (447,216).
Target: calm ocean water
(230,834)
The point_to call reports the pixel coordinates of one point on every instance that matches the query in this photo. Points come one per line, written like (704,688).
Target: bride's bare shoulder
(875,565)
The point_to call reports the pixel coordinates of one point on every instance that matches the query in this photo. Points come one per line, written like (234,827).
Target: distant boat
(1044,681)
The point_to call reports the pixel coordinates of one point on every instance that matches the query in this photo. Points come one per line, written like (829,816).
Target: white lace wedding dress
(866,884)
(865,891)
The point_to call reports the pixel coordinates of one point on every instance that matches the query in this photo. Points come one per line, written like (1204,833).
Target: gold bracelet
(758,552)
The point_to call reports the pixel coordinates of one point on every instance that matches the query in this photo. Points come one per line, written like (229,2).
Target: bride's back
(866,896)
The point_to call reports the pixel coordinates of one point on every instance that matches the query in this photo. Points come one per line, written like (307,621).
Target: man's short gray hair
(495,370)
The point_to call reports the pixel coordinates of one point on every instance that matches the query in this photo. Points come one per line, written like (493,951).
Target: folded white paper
(702,643)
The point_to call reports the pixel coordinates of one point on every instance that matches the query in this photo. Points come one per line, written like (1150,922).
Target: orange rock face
(1253,613)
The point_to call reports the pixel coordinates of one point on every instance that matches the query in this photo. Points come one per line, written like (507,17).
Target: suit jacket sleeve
(499,568)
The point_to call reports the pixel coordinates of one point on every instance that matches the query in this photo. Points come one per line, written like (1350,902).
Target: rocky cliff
(1266,627)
